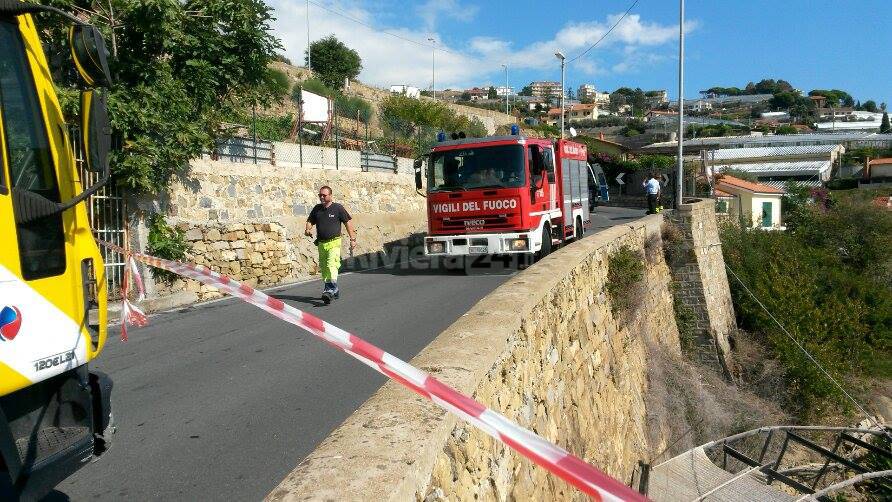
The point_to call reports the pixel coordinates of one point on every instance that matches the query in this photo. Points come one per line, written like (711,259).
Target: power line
(363,23)
(608,31)
(806,352)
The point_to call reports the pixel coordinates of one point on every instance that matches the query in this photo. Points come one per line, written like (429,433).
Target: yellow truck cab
(55,414)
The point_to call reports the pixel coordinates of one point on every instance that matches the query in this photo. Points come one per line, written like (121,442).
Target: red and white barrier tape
(582,475)
(130,313)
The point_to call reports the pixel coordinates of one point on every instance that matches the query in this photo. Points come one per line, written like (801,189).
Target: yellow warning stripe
(11,380)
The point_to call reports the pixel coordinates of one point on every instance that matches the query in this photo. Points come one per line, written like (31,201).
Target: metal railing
(244,150)
(371,161)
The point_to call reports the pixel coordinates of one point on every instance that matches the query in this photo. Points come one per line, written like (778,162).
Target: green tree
(823,280)
(771,86)
(491,93)
(786,129)
(418,120)
(870,106)
(526,91)
(835,97)
(884,125)
(466,96)
(180,68)
(783,100)
(333,61)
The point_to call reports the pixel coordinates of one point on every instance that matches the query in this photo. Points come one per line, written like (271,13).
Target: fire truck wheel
(546,243)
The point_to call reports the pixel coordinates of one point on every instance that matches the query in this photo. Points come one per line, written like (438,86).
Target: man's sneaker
(336,292)
(328,292)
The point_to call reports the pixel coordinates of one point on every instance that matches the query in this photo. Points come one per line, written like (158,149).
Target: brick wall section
(545,350)
(247,220)
(701,283)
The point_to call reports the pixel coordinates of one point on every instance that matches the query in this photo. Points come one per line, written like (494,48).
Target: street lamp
(433,67)
(309,59)
(679,174)
(505,66)
(560,55)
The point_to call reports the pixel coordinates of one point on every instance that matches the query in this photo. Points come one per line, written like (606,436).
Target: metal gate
(371,161)
(106,211)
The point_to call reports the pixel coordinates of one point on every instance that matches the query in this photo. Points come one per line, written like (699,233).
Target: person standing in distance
(328,216)
(652,187)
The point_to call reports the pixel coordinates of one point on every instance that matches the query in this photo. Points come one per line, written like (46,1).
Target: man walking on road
(328,216)
(652,186)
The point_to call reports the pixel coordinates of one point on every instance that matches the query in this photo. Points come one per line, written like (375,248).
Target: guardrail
(371,161)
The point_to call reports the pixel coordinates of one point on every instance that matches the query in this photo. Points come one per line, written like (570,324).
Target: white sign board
(315,107)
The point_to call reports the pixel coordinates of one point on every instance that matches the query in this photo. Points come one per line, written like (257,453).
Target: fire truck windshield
(481,167)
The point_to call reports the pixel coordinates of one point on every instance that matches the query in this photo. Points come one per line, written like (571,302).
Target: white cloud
(389,60)
(433,10)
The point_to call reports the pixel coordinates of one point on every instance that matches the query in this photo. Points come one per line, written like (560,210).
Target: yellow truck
(55,413)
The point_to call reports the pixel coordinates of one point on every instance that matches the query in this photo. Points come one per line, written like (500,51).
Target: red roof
(726,181)
(882,161)
(721,193)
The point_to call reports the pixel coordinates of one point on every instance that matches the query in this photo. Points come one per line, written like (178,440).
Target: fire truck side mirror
(90,55)
(419,163)
(95,131)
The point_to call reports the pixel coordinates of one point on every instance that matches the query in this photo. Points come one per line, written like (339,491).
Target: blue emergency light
(515,130)
(441,136)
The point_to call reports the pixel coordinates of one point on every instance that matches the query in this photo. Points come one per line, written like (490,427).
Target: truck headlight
(517,244)
(436,247)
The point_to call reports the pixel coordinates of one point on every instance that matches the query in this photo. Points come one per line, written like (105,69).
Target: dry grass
(699,405)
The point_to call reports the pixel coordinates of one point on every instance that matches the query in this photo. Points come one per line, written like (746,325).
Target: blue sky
(811,43)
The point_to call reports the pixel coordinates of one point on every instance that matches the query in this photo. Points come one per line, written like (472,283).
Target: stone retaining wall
(701,283)
(545,350)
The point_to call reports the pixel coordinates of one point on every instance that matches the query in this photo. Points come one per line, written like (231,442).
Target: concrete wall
(247,220)
(545,350)
(701,283)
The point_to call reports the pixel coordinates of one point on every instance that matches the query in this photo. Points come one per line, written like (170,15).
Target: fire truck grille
(488,222)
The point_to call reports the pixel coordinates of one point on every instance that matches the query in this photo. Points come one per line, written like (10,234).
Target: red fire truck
(503,195)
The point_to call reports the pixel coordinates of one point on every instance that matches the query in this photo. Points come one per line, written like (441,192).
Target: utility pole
(506,88)
(309,60)
(561,56)
(680,178)
(433,67)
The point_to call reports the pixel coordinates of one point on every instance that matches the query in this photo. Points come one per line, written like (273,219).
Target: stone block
(193,234)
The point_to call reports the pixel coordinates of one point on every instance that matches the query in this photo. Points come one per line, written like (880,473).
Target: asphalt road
(221,401)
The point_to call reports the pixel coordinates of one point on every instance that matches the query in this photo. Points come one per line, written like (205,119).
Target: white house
(746,201)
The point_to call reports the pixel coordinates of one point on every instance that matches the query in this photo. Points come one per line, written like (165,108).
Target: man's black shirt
(328,220)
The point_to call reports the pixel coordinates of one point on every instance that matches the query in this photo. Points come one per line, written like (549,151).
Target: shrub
(165,242)
(315,86)
(625,271)
(353,108)
(676,247)
(841,314)
(842,184)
